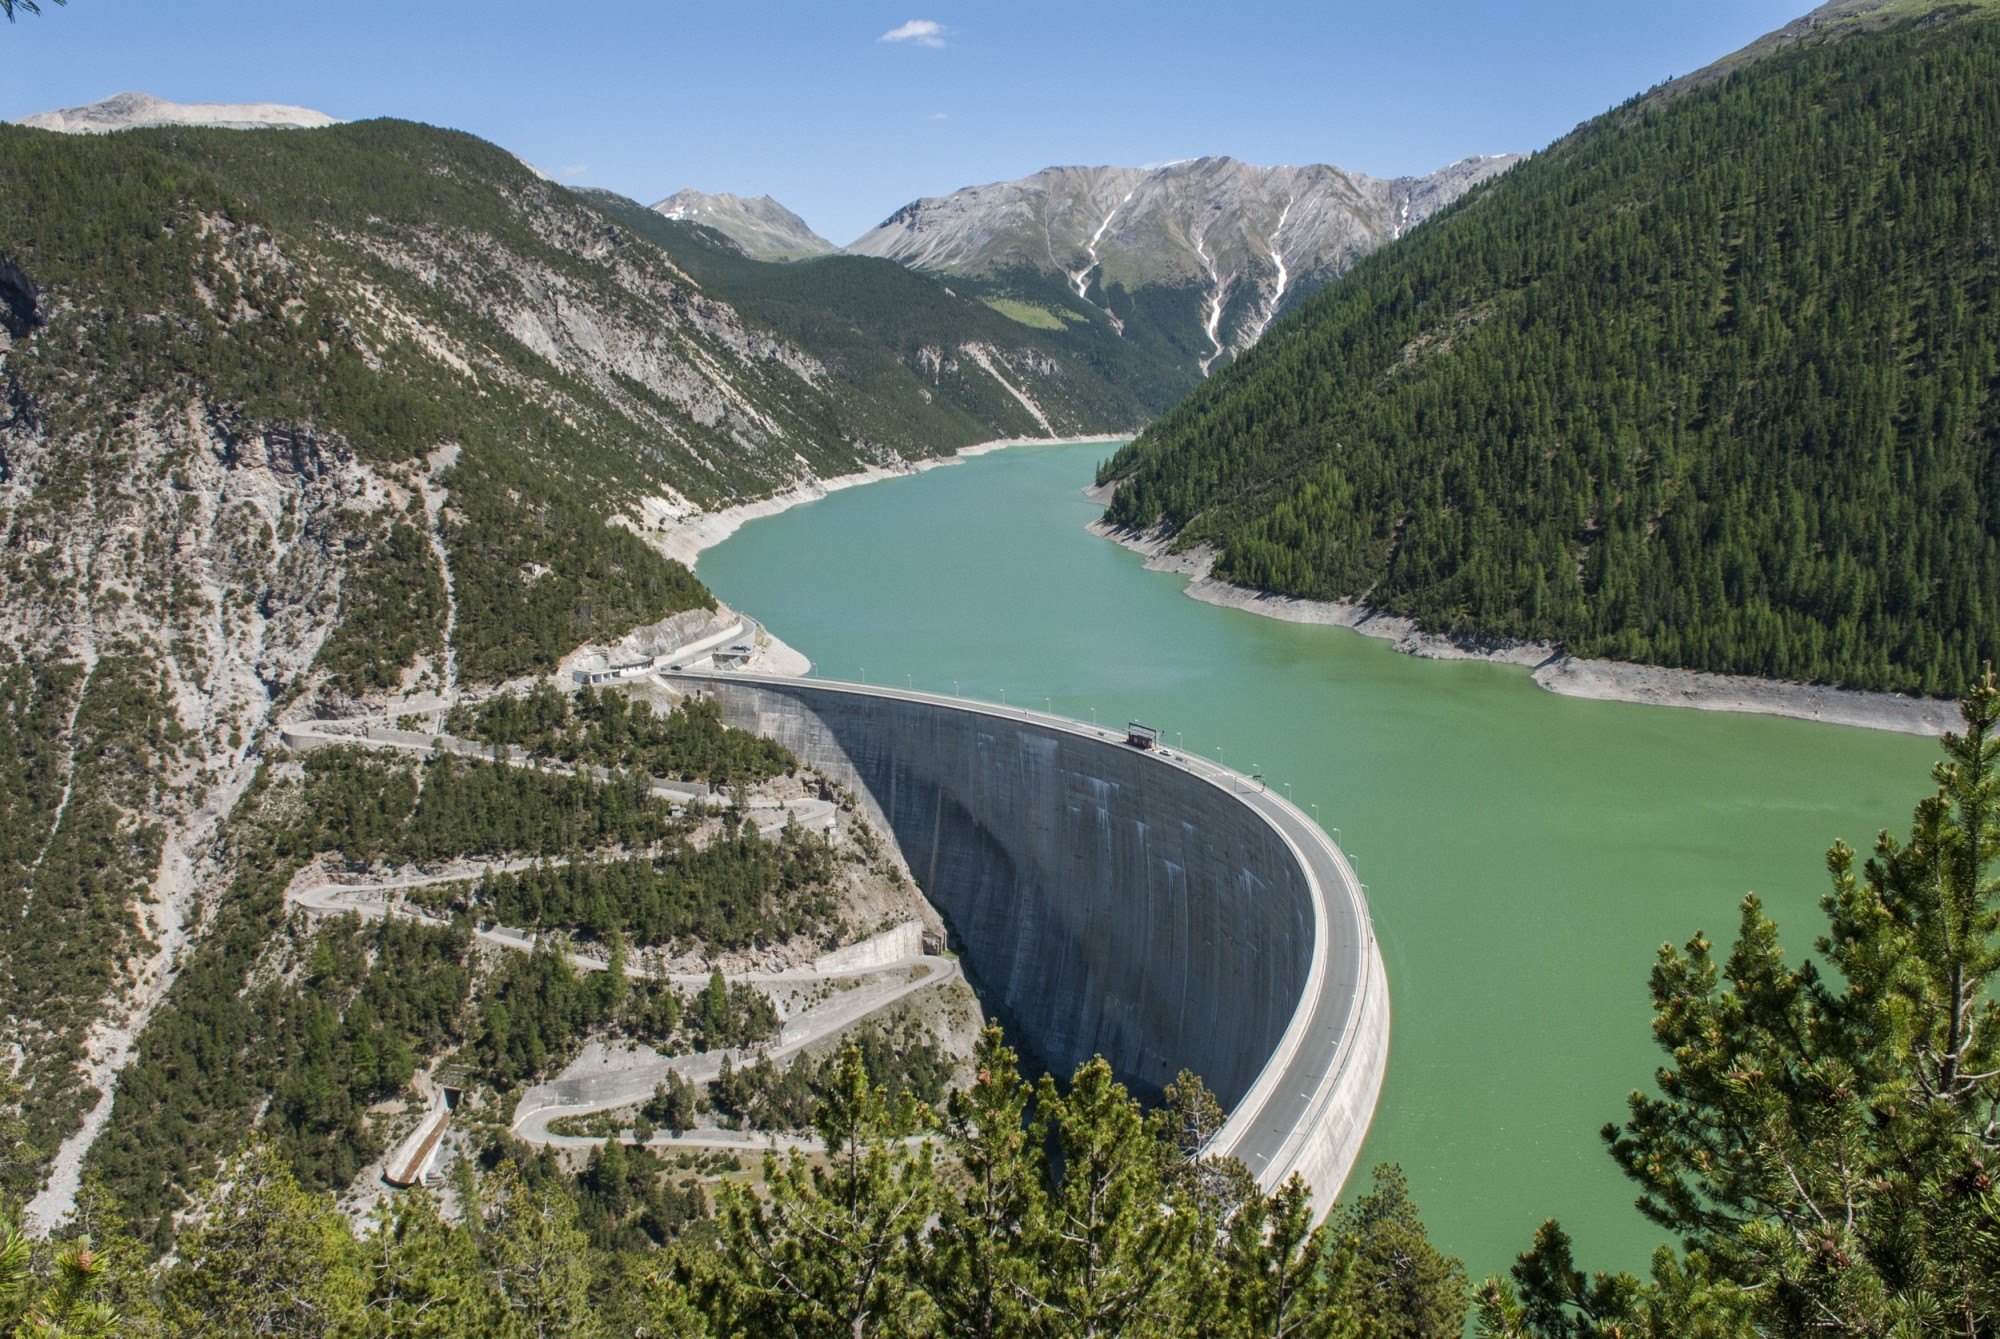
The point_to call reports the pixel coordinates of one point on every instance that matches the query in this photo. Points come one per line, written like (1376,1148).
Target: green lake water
(1525,854)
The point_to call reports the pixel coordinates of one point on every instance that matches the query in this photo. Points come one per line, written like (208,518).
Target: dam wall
(1155,910)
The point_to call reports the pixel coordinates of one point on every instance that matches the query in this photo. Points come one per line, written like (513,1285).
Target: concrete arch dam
(1157,910)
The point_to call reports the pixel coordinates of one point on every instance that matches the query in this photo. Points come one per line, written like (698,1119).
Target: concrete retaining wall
(891,946)
(1105,901)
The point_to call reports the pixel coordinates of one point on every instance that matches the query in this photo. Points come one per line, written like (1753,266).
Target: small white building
(617,673)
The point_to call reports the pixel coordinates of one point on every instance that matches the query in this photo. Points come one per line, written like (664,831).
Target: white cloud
(924,32)
(580,170)
(938,116)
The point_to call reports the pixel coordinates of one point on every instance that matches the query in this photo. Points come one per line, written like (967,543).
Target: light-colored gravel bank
(1571,676)
(681,533)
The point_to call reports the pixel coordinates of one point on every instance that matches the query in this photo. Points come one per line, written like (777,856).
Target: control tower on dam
(1107,899)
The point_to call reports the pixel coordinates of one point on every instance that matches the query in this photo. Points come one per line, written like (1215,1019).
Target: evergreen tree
(19,1160)
(832,1250)
(424,1278)
(71,1304)
(538,1259)
(97,1221)
(1287,1277)
(15,1269)
(1102,1247)
(671,1310)
(978,1269)
(1823,1142)
(266,1257)
(1405,1287)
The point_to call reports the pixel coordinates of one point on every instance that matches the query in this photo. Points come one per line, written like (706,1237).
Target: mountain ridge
(763,228)
(1246,243)
(132,111)
(329,423)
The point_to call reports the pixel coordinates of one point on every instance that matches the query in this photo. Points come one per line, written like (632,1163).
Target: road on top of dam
(1299,1080)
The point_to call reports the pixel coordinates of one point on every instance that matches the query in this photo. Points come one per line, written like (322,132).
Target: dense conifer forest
(1713,382)
(730,893)
(74,864)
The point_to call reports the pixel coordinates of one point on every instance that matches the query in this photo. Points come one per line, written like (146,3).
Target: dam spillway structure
(1145,906)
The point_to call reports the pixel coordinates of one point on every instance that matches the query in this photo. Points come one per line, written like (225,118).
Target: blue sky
(810,102)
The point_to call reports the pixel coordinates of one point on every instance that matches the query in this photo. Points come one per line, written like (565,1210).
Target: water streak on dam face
(1110,903)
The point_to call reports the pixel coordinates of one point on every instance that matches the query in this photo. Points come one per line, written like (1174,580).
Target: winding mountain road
(633,1081)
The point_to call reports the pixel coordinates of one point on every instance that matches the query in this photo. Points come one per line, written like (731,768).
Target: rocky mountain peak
(1243,242)
(762,227)
(130,111)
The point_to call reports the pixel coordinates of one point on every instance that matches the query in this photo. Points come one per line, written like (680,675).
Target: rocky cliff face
(762,227)
(1244,243)
(172,584)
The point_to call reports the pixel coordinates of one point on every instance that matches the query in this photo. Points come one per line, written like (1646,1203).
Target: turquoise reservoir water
(1525,854)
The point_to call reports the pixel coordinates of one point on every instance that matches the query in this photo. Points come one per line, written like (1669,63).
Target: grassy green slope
(1710,383)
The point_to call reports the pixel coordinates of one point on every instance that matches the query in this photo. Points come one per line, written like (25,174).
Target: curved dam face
(1155,910)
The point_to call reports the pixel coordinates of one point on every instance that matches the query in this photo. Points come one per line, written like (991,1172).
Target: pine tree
(831,1250)
(1102,1247)
(978,1270)
(71,1304)
(423,1275)
(538,1259)
(266,1257)
(1288,1278)
(1823,1142)
(1405,1287)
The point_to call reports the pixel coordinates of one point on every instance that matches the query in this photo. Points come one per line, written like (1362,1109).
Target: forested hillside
(1714,382)
(310,421)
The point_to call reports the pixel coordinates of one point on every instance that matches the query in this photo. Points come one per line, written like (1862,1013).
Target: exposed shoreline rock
(1570,676)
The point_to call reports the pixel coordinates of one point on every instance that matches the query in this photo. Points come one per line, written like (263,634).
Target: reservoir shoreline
(1525,855)
(1548,666)
(683,537)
